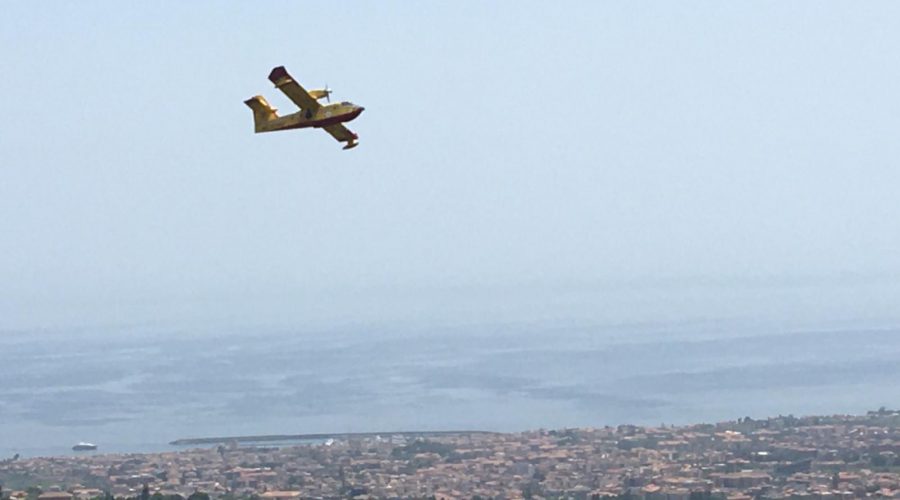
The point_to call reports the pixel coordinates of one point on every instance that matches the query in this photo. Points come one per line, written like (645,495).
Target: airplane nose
(361,109)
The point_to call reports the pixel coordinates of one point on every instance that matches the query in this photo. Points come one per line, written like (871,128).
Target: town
(799,458)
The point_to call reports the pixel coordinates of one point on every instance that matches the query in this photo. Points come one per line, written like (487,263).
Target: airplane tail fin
(262,112)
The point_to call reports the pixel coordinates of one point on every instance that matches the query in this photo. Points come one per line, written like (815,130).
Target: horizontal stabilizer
(262,111)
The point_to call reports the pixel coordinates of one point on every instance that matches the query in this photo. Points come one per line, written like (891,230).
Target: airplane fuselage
(328,114)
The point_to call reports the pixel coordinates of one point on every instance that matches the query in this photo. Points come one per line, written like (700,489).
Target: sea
(553,363)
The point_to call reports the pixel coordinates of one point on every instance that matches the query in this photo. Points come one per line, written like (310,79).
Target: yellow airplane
(330,117)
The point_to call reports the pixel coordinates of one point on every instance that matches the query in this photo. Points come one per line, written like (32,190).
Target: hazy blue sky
(503,143)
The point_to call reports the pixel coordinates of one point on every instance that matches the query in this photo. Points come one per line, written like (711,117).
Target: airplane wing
(285,83)
(341,133)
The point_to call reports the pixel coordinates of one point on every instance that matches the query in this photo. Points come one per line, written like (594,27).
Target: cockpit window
(346,103)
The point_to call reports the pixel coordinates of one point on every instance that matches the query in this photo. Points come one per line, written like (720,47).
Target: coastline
(324,436)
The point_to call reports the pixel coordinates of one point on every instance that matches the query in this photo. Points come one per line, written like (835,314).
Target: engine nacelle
(320,93)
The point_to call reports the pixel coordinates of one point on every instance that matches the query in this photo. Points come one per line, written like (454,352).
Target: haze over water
(137,387)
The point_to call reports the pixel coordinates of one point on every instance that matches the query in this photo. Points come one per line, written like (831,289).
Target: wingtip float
(313,114)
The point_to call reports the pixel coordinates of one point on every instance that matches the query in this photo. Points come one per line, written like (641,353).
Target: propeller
(327,93)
